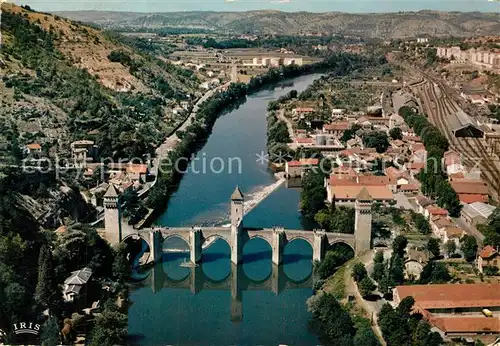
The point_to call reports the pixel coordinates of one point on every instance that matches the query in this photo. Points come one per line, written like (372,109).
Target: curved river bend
(218,303)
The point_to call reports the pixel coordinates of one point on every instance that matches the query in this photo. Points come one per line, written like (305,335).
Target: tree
(359,272)
(399,245)
(434,247)
(46,288)
(312,197)
(396,133)
(378,271)
(377,140)
(50,332)
(379,257)
(110,328)
(366,286)
(469,247)
(330,263)
(121,265)
(396,270)
(490,270)
(335,322)
(451,247)
(434,272)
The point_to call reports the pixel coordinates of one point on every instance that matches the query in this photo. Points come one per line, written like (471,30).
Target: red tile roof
(449,296)
(473,324)
(302,162)
(458,175)
(304,140)
(337,126)
(137,168)
(436,210)
(416,166)
(471,198)
(34,146)
(423,201)
(304,109)
(454,232)
(351,191)
(409,187)
(487,252)
(470,187)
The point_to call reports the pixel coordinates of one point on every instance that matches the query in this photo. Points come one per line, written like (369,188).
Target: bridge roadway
(236,281)
(236,237)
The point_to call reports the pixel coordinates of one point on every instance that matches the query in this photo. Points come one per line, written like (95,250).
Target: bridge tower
(237,200)
(112,216)
(363,221)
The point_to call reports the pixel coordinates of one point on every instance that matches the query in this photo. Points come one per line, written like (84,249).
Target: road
(281,116)
(371,308)
(471,230)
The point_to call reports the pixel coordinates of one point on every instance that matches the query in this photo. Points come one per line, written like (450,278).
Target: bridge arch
(138,253)
(290,239)
(259,236)
(342,241)
(175,235)
(214,238)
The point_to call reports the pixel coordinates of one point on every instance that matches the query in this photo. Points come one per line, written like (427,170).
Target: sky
(357,6)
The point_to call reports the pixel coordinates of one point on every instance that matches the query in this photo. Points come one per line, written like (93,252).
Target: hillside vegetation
(64,81)
(380,25)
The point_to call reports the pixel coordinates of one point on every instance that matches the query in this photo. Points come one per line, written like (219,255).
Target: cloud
(281,1)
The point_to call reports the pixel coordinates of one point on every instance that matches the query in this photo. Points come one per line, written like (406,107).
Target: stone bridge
(237,235)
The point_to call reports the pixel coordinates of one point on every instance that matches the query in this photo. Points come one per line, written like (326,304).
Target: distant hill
(385,25)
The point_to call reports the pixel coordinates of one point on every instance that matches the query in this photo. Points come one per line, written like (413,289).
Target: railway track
(472,149)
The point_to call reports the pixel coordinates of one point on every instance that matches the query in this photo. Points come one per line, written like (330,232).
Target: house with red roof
(488,256)
(297,168)
(470,191)
(455,310)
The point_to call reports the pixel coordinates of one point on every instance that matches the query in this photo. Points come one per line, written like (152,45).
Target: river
(218,303)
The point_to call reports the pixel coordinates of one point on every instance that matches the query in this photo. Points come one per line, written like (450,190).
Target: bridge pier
(278,279)
(196,279)
(155,246)
(318,245)
(195,245)
(277,246)
(236,302)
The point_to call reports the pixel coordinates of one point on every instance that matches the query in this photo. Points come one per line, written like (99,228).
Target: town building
(297,168)
(415,261)
(83,152)
(456,310)
(476,213)
(301,112)
(470,191)
(32,148)
(75,283)
(346,194)
(488,257)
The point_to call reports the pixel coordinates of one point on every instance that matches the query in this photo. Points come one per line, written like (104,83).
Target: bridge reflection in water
(236,281)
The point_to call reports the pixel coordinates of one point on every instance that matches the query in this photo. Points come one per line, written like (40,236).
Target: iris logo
(26,328)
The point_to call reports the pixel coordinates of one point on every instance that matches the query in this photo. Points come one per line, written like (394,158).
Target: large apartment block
(478,57)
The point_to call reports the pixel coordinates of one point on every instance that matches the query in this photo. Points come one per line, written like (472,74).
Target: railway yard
(441,104)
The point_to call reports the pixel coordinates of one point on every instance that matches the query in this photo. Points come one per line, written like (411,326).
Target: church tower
(112,217)
(237,200)
(363,221)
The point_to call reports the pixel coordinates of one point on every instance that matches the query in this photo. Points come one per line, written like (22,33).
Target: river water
(218,303)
